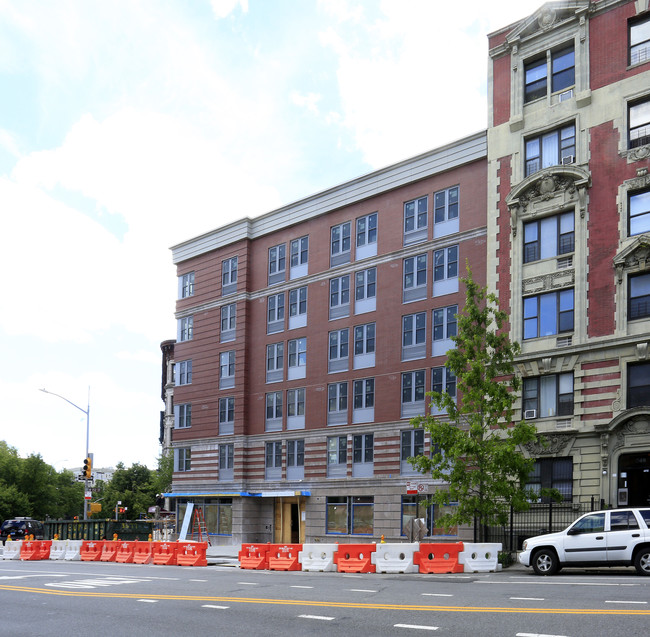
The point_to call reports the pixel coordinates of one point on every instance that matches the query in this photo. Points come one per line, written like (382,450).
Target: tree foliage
(476,448)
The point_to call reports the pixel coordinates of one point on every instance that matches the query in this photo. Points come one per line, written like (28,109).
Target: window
(228,321)
(182,416)
(549,237)
(183,459)
(296,408)
(551,149)
(415,278)
(413,394)
(277,263)
(445,212)
(274,362)
(229,276)
(413,508)
(350,515)
(273,419)
(639,122)
(412,445)
(275,313)
(227,370)
(445,326)
(340,244)
(337,456)
(220,512)
(337,403)
(297,358)
(640,41)
(416,214)
(553,473)
(414,333)
(226,416)
(548,396)
(186,285)
(299,257)
(363,405)
(638,385)
(337,360)
(364,346)
(340,297)
(273,461)
(442,380)
(183,373)
(295,459)
(185,328)
(366,236)
(622,521)
(226,462)
(639,296)
(639,206)
(362,456)
(298,308)
(548,314)
(365,291)
(445,271)
(561,67)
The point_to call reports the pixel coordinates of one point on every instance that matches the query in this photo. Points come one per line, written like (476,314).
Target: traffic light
(88,468)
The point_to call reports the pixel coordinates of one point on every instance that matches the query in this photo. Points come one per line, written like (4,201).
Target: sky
(129,126)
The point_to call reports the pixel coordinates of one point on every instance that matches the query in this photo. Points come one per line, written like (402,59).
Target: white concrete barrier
(480,558)
(12,550)
(73,550)
(318,557)
(395,558)
(58,549)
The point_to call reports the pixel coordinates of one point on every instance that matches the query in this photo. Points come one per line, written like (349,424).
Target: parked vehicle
(18,528)
(617,537)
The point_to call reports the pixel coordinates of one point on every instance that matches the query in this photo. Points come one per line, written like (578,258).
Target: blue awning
(237,494)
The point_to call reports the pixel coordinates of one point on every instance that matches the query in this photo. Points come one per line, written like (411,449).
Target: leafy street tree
(475,447)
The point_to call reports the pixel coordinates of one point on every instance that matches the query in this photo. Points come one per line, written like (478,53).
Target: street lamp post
(87,412)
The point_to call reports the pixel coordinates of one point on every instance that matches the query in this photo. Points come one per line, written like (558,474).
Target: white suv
(617,537)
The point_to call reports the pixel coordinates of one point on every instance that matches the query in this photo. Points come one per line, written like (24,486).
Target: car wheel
(642,561)
(545,562)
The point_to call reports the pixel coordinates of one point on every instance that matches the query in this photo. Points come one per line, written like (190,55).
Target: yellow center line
(324,604)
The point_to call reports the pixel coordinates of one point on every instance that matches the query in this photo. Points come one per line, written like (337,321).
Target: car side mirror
(573,532)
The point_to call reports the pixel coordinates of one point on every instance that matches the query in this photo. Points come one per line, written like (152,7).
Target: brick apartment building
(307,337)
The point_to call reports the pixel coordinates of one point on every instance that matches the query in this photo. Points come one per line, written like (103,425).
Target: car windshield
(594,523)
(13,525)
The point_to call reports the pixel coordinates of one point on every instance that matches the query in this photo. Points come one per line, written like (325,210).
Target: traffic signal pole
(87,456)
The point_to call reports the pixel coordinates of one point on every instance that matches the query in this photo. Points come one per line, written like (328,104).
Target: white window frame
(414,278)
(229,276)
(446,208)
(442,379)
(226,415)
(337,456)
(445,270)
(228,323)
(295,459)
(227,369)
(339,298)
(226,462)
(366,236)
(186,285)
(340,243)
(183,416)
(273,405)
(275,362)
(299,257)
(277,263)
(413,382)
(275,312)
(363,400)
(296,408)
(185,329)
(411,445)
(416,220)
(414,336)
(297,358)
(365,291)
(182,459)
(183,373)
(444,323)
(338,350)
(273,460)
(363,455)
(298,307)
(365,343)
(337,403)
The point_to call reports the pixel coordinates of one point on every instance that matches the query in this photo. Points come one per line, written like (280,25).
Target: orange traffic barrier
(165,553)
(441,557)
(192,554)
(284,557)
(143,553)
(125,552)
(109,551)
(355,558)
(91,550)
(254,556)
(35,550)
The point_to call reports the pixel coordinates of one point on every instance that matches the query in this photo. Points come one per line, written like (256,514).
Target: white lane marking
(326,619)
(96,583)
(536,635)
(295,586)
(415,626)
(148,601)
(623,601)
(438,594)
(247,583)
(214,606)
(567,583)
(362,590)
(198,580)
(26,576)
(530,599)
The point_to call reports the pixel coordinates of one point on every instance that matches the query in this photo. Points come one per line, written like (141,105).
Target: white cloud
(308,101)
(223,8)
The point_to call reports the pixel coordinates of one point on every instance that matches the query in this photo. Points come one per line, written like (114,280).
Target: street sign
(413,487)
(88,495)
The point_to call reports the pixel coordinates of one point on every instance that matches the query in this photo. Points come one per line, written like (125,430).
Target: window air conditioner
(565,95)
(568,159)
(529,414)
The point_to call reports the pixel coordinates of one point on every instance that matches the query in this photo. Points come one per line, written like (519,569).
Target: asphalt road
(90,598)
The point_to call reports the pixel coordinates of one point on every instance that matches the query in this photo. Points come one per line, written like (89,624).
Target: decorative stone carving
(638,153)
(551,281)
(642,351)
(553,444)
(546,18)
(616,403)
(545,365)
(638,426)
(635,257)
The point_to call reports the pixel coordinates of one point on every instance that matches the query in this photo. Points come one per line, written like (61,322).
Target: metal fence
(539,519)
(97,529)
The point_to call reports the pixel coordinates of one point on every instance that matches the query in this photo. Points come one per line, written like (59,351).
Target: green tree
(134,487)
(476,448)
